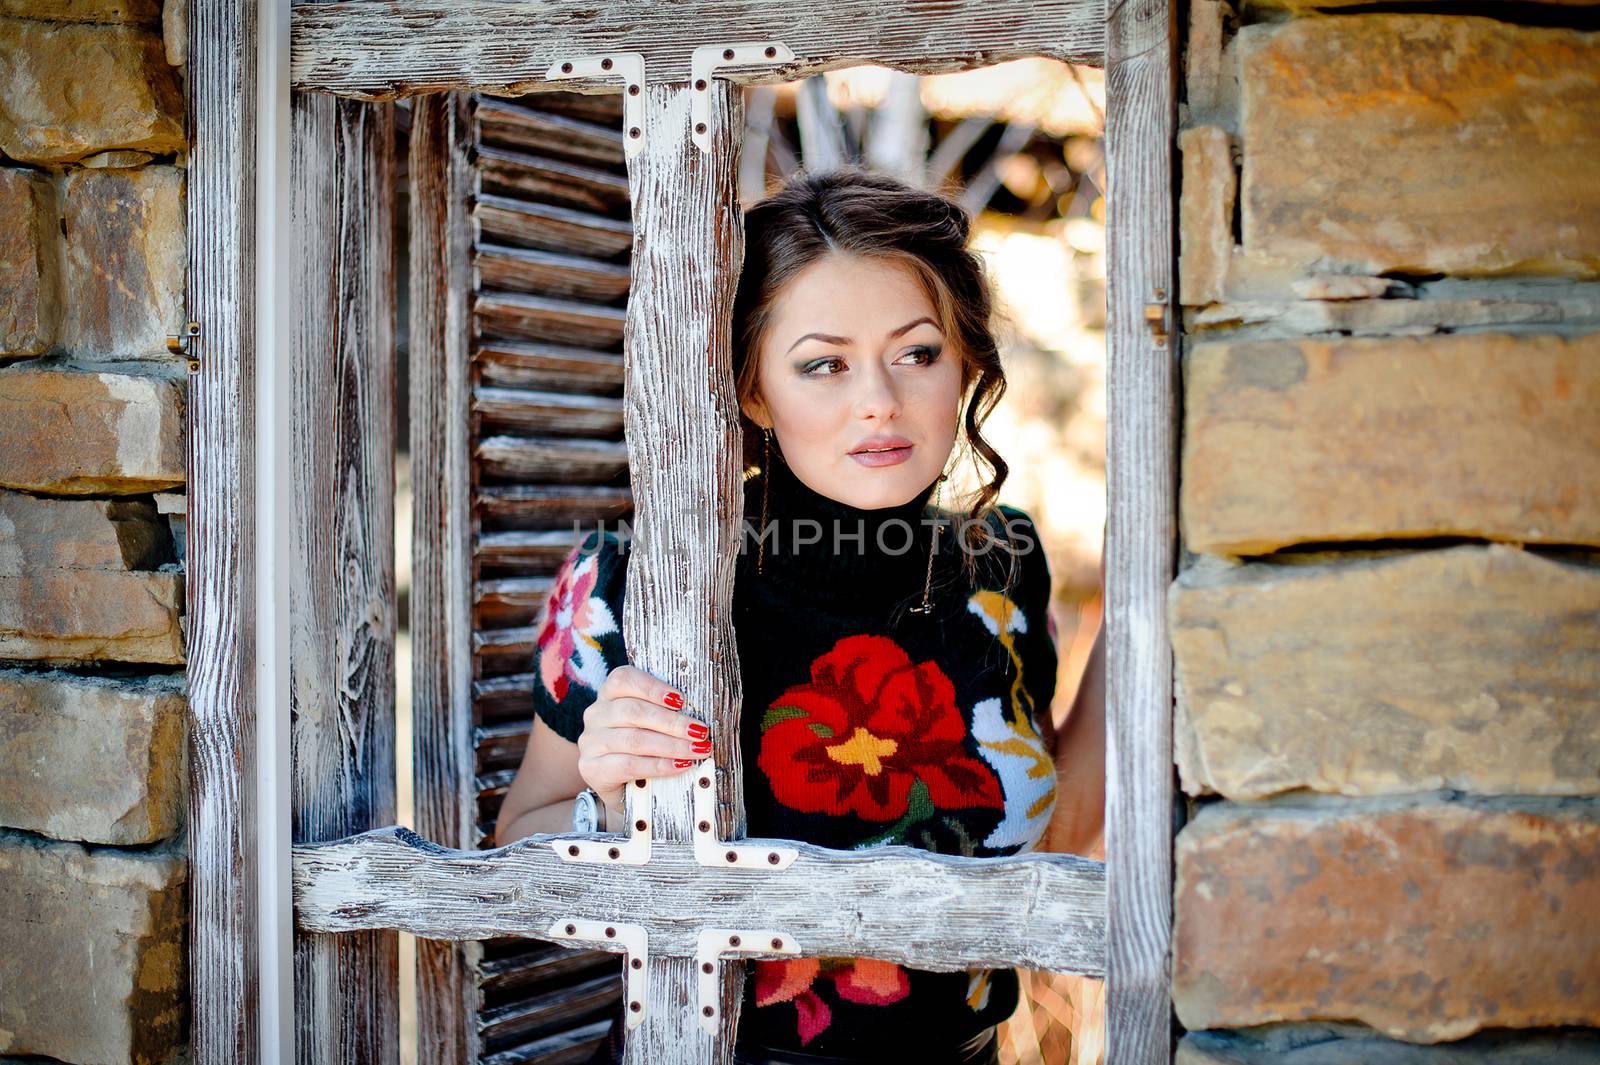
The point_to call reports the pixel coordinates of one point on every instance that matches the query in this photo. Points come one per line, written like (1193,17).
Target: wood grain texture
(530,365)
(224,867)
(510,173)
(901,904)
(442,235)
(682,426)
(341,587)
(378,49)
(1141,534)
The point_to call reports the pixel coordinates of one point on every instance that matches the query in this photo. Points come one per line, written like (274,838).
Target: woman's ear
(756,410)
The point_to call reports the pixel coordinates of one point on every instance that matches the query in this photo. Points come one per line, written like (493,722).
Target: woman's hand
(633,730)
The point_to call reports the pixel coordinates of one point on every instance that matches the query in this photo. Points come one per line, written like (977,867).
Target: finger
(628,740)
(635,682)
(621,768)
(627,711)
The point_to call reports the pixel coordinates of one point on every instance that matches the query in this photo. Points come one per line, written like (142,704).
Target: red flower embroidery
(864,980)
(575,619)
(868,726)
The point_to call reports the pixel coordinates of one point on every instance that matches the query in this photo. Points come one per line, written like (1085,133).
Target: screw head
(572,929)
(732,856)
(634,133)
(641,782)
(699,127)
(777,943)
(771,51)
(727,53)
(611,933)
(605,64)
(633,90)
(705,782)
(707,967)
(708,1011)
(635,1007)
(636,963)
(566,68)
(733,941)
(573,850)
(772,858)
(700,83)
(704,826)
(614,853)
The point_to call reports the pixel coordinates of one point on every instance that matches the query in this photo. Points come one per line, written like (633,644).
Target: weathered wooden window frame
(242,456)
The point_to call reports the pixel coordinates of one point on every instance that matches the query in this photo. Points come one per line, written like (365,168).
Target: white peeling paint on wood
(682,426)
(378,49)
(224,861)
(341,586)
(1141,532)
(901,904)
(442,235)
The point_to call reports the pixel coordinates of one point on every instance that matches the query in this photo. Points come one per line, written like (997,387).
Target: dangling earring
(933,545)
(766,484)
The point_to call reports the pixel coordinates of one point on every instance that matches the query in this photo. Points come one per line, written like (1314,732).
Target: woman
(897,673)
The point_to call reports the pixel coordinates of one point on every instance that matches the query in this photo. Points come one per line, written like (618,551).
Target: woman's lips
(891,457)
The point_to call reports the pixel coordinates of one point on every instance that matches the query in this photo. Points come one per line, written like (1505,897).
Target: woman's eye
(812,367)
(927,354)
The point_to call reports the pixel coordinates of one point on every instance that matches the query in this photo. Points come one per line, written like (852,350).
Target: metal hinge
(187,345)
(1158,317)
(707,58)
(629,66)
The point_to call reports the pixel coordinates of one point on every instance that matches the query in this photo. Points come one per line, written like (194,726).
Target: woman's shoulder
(1013,560)
(603,548)
(578,636)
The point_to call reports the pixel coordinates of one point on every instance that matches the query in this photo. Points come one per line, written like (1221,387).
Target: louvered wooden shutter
(551,277)
(539,211)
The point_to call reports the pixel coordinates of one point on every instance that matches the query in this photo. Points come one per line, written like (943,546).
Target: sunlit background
(1020,145)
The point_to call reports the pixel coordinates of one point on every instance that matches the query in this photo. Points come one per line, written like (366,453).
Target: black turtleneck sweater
(864,723)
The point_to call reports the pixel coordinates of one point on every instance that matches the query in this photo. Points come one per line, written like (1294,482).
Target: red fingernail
(698,731)
(674,700)
(703,747)
(682,763)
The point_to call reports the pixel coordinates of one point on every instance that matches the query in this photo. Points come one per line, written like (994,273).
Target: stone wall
(1387,622)
(93,866)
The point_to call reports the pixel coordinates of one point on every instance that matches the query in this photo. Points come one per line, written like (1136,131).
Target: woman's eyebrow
(829,339)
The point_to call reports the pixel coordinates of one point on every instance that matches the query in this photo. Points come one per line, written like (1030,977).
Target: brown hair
(853,211)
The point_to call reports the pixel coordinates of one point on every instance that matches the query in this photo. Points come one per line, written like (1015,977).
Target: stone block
(1205,222)
(175,31)
(38,535)
(70,90)
(92,952)
(29,293)
(1422,143)
(1308,7)
(125,261)
(1313,441)
(92,616)
(92,759)
(1475,668)
(76,581)
(1316,1044)
(1427,920)
(73,431)
(116,12)
(116,160)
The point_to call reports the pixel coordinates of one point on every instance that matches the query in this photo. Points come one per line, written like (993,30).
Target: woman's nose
(875,395)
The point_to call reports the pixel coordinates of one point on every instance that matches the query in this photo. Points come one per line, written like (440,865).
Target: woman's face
(853,359)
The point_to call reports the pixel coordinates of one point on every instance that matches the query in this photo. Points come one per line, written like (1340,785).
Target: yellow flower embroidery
(1008,741)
